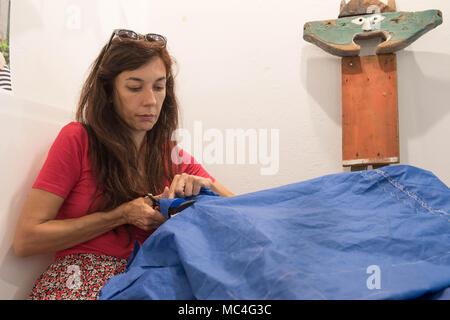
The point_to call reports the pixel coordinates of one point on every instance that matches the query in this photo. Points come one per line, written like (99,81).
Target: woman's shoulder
(73,133)
(74,129)
(74,126)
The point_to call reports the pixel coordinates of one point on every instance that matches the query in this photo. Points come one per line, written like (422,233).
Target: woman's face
(138,96)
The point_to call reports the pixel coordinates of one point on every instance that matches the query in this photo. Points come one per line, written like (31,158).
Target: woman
(87,202)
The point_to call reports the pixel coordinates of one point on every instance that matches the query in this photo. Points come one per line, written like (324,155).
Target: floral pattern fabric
(77,277)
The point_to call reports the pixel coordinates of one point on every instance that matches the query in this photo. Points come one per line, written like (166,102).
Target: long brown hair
(113,155)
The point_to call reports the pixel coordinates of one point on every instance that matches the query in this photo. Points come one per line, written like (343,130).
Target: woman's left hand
(185,185)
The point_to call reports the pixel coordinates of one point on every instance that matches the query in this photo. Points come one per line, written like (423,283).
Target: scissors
(175,207)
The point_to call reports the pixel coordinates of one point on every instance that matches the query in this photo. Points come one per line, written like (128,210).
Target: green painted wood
(398,29)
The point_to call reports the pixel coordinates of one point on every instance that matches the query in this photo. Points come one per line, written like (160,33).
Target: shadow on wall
(28,130)
(423,89)
(424,94)
(321,77)
(21,273)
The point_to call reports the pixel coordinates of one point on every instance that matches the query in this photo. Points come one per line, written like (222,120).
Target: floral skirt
(76,277)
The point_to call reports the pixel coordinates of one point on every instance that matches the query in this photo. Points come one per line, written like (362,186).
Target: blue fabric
(166,203)
(317,239)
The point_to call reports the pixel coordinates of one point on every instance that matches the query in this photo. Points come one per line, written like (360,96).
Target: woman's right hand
(39,232)
(139,212)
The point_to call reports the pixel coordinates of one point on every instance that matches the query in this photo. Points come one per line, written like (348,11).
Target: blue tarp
(378,234)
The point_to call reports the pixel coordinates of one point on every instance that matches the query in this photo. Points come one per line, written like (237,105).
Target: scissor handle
(155,202)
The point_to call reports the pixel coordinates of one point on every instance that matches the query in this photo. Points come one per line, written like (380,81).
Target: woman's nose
(150,98)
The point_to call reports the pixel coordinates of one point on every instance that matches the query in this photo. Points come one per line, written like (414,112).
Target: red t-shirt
(67,173)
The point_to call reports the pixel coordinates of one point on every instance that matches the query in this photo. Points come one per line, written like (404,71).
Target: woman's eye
(134,89)
(159,88)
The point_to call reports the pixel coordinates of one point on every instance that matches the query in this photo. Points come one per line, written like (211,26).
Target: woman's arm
(39,232)
(220,189)
(185,185)
(191,177)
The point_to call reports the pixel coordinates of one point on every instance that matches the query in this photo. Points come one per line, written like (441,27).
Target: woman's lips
(146,117)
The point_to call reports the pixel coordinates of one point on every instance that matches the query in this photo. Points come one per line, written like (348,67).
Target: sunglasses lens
(127,34)
(155,37)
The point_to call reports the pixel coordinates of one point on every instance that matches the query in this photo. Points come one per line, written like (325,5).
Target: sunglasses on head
(128,34)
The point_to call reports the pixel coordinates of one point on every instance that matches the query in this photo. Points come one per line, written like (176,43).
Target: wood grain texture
(370,133)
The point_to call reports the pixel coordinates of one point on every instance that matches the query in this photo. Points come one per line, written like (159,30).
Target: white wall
(241,64)
(27,130)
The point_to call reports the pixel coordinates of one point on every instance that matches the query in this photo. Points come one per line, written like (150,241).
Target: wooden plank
(370,110)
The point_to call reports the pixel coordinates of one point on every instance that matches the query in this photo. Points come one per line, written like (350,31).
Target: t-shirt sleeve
(62,168)
(190,166)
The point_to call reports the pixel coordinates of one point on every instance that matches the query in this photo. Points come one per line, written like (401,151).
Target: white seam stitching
(406,192)
(410,194)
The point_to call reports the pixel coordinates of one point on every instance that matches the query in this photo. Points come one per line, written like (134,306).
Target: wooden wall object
(370,133)
(397,29)
(359,7)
